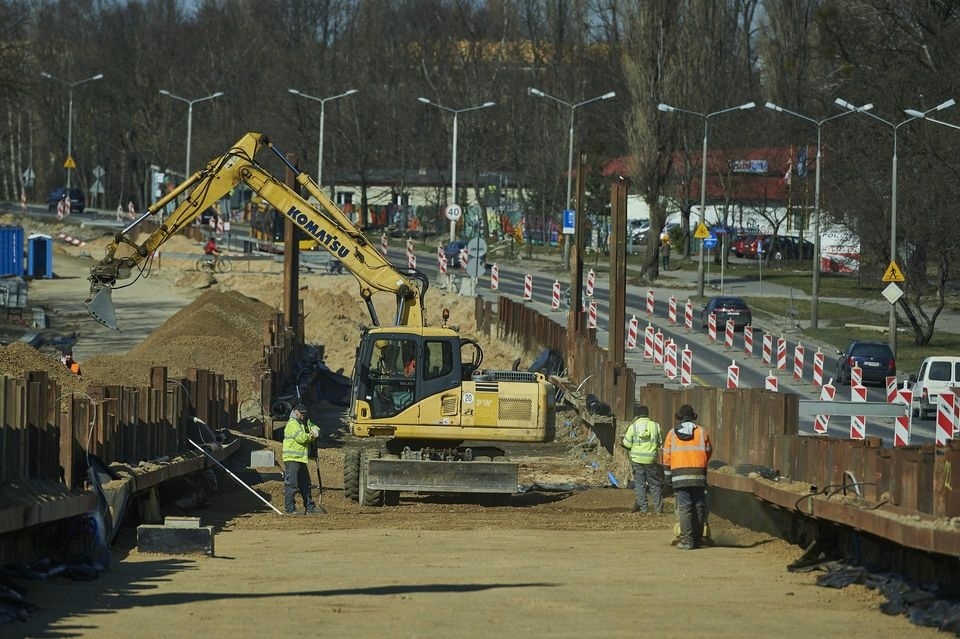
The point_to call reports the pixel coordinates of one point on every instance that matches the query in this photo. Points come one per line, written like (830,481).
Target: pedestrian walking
(665,253)
(298,434)
(686,451)
(644,440)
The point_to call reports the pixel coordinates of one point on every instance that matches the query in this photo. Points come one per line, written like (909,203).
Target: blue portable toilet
(11,250)
(40,256)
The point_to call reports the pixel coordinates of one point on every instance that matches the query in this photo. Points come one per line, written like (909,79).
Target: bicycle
(222,265)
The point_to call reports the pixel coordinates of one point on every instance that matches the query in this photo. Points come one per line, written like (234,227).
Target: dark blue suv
(77,202)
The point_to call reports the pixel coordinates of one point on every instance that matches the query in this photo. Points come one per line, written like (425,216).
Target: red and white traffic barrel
(902,424)
(798,353)
(686,366)
(632,329)
(591,280)
(555,299)
(494,277)
(733,375)
(688,315)
(770,382)
(528,287)
(818,369)
(827,392)
(672,311)
(748,340)
(592,315)
(858,423)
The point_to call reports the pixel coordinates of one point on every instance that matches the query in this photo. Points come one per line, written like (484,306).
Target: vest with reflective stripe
(295,441)
(643,440)
(686,461)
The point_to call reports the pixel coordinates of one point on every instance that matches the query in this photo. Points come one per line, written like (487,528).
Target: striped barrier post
(770,382)
(412,262)
(798,363)
(670,360)
(383,244)
(945,418)
(856,376)
(818,369)
(767,350)
(658,348)
(688,315)
(712,327)
(781,353)
(650,302)
(902,425)
(464,259)
(591,280)
(686,366)
(728,335)
(592,315)
(748,340)
(891,383)
(672,310)
(442,266)
(527,287)
(494,277)
(648,342)
(555,299)
(858,423)
(632,333)
(827,392)
(411,258)
(733,375)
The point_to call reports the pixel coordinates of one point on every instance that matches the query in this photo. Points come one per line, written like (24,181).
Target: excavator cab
(397,368)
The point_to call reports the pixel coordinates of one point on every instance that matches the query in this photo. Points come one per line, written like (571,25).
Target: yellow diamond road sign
(702,232)
(893,273)
(69,164)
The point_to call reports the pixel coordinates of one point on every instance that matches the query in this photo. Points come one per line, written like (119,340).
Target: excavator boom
(327,225)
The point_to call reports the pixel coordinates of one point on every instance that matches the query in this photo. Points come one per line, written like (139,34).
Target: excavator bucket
(100,306)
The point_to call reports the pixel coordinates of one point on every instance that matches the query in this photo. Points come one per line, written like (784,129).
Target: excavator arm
(327,225)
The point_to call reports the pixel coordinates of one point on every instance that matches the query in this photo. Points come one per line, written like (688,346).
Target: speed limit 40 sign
(453,212)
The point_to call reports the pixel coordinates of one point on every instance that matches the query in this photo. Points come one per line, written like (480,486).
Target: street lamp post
(323,103)
(815,292)
(453,176)
(892,326)
(70,86)
(703,174)
(573,107)
(190,103)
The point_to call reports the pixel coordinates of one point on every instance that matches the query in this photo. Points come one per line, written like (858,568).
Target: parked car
(785,247)
(726,307)
(740,241)
(77,200)
(640,236)
(875,360)
(937,374)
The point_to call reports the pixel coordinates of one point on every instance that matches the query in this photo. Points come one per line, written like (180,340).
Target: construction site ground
(572,561)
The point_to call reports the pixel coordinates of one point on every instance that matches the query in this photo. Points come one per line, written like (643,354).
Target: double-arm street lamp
(70,86)
(190,103)
(453,172)
(323,103)
(573,107)
(703,174)
(815,293)
(892,326)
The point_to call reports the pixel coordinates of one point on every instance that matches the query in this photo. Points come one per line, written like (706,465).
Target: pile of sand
(18,358)
(219,331)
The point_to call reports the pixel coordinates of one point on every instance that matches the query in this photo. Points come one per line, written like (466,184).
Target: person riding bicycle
(212,250)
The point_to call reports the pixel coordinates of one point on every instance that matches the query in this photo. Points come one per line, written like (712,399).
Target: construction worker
(644,440)
(298,434)
(686,451)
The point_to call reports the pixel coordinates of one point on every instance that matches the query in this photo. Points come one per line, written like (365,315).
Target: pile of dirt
(18,358)
(221,331)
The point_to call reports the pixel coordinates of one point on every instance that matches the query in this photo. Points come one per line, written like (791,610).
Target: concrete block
(262,459)
(172,540)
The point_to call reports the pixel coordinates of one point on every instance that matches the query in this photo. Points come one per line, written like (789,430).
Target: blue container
(40,256)
(11,251)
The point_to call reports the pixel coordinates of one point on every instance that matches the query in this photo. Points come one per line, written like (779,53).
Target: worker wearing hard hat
(298,434)
(686,451)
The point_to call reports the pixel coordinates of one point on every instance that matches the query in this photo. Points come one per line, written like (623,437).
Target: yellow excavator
(418,391)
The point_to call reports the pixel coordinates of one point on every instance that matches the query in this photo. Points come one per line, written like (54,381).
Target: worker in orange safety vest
(686,452)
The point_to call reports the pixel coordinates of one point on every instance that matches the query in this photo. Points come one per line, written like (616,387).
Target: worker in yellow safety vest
(644,440)
(298,434)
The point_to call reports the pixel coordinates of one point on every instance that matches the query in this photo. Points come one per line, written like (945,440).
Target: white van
(937,374)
